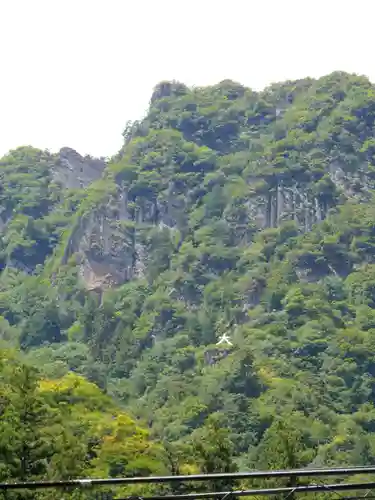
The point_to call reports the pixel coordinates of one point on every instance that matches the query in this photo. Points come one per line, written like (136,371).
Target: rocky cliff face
(75,172)
(300,203)
(111,241)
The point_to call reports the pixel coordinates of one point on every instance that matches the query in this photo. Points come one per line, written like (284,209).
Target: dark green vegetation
(228,211)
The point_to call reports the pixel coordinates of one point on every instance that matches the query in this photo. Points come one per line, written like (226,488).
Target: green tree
(35,443)
(213,451)
(282,447)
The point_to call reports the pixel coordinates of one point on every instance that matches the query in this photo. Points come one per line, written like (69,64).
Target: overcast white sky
(74,71)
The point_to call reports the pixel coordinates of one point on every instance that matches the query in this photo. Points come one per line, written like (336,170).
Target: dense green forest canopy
(225,211)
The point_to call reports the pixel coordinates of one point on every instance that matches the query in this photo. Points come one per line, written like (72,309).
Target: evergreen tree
(34,443)
(281,448)
(213,451)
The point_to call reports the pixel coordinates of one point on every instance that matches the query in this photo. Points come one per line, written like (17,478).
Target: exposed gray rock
(75,172)
(352,184)
(284,203)
(297,202)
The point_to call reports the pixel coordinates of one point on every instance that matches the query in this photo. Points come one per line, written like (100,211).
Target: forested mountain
(225,211)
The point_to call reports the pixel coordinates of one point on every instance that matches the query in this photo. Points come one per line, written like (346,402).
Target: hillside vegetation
(225,211)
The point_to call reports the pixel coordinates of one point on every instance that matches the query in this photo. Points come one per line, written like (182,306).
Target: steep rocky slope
(225,211)
(277,157)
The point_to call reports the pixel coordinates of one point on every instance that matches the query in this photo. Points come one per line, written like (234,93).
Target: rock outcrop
(76,172)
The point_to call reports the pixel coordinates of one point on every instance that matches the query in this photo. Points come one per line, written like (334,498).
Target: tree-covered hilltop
(225,211)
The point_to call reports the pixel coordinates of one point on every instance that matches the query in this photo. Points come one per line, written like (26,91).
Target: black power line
(123,481)
(328,488)
(348,471)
